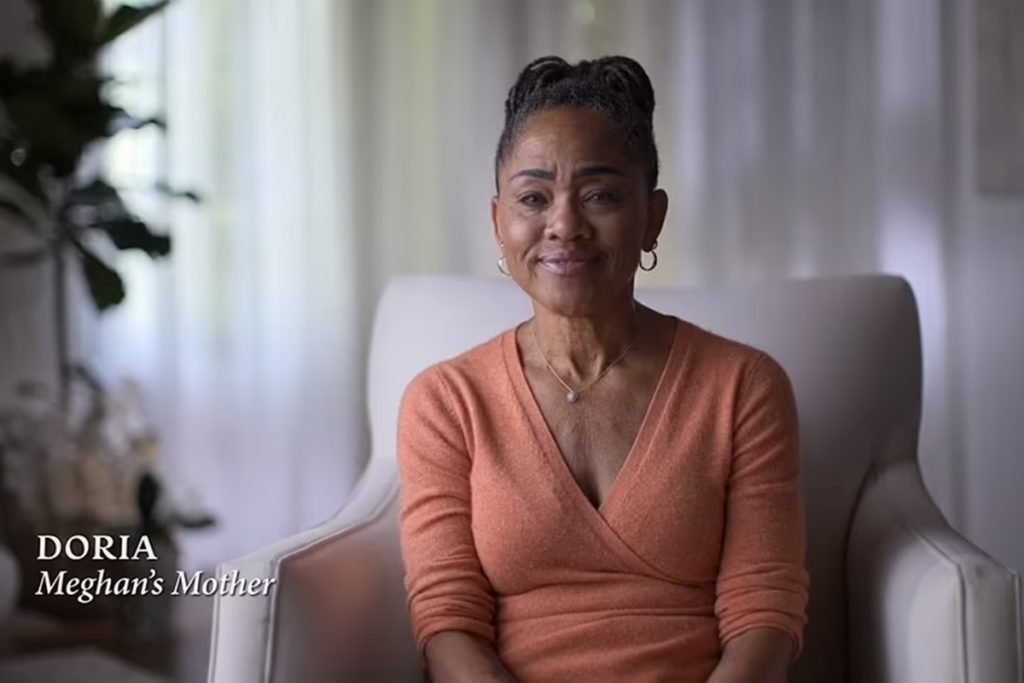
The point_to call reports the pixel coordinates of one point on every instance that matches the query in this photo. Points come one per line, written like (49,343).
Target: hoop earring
(503,266)
(654,263)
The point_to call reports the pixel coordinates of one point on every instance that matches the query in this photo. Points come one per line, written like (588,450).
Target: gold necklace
(573,395)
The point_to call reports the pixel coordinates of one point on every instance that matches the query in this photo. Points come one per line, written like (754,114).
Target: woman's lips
(567,264)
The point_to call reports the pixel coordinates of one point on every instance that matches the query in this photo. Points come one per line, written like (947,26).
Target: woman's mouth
(567,262)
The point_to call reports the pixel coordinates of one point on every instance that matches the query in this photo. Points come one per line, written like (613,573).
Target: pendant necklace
(573,395)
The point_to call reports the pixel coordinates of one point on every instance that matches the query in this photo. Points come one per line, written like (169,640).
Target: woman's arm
(456,656)
(451,601)
(762,585)
(761,655)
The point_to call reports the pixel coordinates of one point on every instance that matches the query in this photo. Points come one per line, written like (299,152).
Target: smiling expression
(573,211)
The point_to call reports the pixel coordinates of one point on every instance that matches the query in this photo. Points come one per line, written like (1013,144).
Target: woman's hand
(457,657)
(761,655)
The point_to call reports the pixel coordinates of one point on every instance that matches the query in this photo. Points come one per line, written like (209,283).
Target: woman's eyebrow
(596,169)
(534,173)
(582,172)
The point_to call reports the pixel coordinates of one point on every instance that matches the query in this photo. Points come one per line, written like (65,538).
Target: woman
(604,492)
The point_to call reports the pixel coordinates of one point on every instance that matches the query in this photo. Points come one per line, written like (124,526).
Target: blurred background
(335,144)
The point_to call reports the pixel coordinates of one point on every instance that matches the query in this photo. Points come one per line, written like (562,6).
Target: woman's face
(573,212)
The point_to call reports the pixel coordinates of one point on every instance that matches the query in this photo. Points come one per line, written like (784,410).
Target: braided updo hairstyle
(617,87)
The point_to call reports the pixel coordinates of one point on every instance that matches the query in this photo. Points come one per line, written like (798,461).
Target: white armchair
(896,594)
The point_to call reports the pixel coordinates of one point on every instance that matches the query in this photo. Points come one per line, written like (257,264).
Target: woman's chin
(575,302)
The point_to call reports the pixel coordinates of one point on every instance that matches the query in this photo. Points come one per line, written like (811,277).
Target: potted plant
(51,117)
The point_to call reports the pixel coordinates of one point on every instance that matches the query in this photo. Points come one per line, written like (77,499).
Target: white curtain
(340,143)
(249,339)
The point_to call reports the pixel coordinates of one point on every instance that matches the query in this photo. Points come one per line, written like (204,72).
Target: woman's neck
(580,348)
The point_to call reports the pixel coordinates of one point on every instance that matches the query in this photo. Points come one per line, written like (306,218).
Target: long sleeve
(445,585)
(762,581)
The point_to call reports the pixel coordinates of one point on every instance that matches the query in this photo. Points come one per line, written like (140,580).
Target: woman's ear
(494,220)
(656,217)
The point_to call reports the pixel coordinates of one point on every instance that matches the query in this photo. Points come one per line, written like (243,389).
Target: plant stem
(60,310)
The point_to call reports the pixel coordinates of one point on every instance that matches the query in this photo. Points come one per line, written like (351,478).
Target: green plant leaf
(58,114)
(190,195)
(198,521)
(56,136)
(125,121)
(104,210)
(75,87)
(125,18)
(105,285)
(131,233)
(72,27)
(86,205)
(96,192)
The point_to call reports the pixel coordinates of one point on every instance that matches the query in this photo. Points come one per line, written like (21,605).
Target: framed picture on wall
(999,120)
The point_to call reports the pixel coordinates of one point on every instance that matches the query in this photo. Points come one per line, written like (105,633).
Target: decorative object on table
(52,117)
(92,469)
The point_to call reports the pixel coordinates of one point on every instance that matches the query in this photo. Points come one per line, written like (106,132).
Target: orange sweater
(700,539)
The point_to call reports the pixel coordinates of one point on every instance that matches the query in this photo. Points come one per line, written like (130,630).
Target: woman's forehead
(573,136)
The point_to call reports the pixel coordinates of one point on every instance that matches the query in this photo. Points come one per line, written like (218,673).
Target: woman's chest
(594,446)
(666,515)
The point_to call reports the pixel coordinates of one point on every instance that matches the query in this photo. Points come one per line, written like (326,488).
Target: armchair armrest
(925,605)
(337,606)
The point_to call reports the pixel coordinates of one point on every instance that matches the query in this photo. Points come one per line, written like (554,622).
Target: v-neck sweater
(700,539)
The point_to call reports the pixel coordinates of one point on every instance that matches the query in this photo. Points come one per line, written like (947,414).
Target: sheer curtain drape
(340,143)
(248,339)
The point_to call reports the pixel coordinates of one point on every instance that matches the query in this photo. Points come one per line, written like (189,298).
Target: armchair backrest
(851,346)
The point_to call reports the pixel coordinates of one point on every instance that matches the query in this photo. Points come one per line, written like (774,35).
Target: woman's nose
(567,222)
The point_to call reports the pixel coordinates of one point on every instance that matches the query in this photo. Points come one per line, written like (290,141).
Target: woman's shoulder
(724,355)
(724,371)
(480,365)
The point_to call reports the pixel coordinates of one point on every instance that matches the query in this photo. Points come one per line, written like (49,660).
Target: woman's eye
(532,199)
(601,197)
